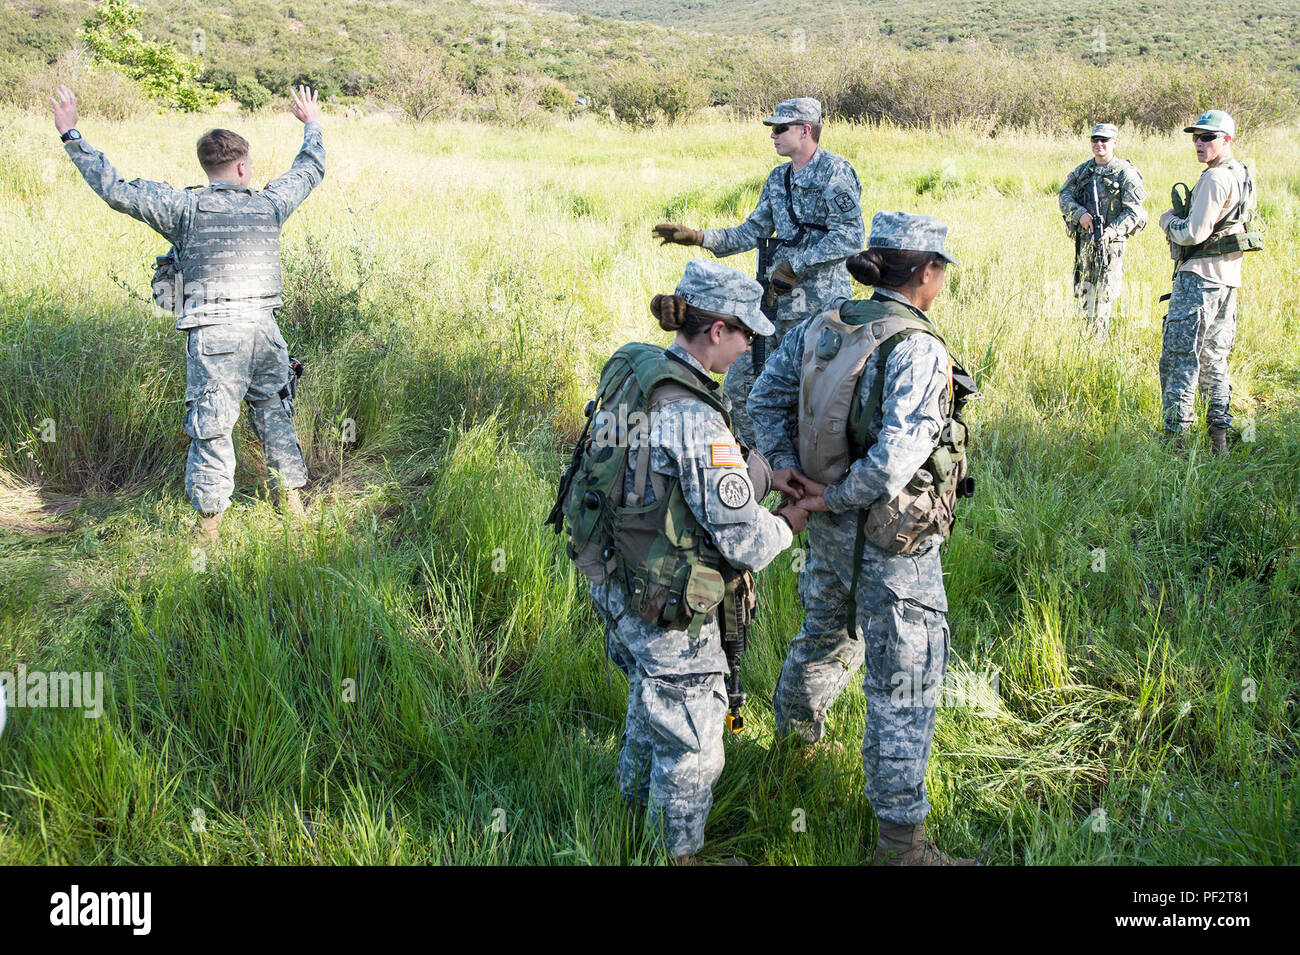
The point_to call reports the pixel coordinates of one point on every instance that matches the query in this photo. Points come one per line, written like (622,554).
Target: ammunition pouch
(167,284)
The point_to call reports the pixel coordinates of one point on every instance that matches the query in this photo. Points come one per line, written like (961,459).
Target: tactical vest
(657,552)
(834,426)
(231,251)
(1108,204)
(1232,233)
(838,344)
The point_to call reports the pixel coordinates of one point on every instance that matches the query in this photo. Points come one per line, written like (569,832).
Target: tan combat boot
(207,529)
(907,845)
(1218,440)
(289,503)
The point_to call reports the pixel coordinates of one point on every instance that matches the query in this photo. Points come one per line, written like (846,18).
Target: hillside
(343,48)
(1264,31)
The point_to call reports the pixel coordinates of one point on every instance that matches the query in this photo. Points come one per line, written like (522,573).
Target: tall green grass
(417,675)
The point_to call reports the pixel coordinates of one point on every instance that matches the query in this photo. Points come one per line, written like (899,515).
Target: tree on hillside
(167,75)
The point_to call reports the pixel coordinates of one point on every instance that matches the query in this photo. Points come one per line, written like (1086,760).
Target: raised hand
(306,106)
(671,232)
(65,110)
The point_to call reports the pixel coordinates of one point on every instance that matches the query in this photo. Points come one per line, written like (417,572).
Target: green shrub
(250,94)
(167,75)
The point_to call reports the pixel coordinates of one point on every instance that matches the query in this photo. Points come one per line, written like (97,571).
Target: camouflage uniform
(1120,189)
(1201,325)
(901,604)
(824,193)
(677,699)
(227,239)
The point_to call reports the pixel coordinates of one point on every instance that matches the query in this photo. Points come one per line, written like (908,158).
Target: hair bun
(670,310)
(865,266)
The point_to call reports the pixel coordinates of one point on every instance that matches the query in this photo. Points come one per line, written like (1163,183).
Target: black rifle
(766,261)
(735,616)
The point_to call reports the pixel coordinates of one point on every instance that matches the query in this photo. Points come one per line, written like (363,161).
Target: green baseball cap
(1213,121)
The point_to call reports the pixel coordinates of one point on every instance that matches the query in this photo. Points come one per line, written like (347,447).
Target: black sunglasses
(1205,137)
(784,127)
(743,329)
(1102,139)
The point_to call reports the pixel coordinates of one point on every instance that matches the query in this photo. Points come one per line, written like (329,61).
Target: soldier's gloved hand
(797,517)
(783,278)
(671,233)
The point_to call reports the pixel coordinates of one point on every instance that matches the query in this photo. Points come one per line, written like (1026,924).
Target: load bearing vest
(1232,233)
(658,552)
(231,252)
(834,425)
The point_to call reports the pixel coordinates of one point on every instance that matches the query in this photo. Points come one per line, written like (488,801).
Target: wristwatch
(70,136)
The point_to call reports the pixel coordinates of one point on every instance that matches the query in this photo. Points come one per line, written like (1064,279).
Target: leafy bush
(644,97)
(113,37)
(250,94)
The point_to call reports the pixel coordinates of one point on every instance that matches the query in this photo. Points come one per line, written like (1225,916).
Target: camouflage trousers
(672,751)
(227,364)
(1097,294)
(1199,331)
(902,647)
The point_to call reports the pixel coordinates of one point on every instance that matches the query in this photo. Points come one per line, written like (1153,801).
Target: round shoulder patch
(733,490)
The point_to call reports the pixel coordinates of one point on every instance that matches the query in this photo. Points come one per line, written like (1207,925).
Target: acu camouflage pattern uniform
(227,238)
(824,193)
(1121,191)
(677,699)
(903,635)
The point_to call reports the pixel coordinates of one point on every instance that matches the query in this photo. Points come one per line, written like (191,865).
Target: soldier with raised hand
(812,205)
(859,413)
(226,239)
(664,518)
(1207,241)
(1101,202)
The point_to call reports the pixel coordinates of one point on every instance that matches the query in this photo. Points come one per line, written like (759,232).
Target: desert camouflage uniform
(677,698)
(826,193)
(1120,189)
(903,630)
(234,350)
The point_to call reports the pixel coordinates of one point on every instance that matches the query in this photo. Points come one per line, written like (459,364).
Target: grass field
(418,675)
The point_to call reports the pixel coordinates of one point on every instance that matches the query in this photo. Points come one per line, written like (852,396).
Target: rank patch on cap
(845,202)
(725,456)
(733,490)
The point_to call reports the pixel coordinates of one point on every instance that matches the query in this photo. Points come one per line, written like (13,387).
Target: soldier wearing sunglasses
(812,205)
(1207,240)
(1101,203)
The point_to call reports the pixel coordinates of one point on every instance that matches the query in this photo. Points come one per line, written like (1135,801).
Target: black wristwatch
(70,136)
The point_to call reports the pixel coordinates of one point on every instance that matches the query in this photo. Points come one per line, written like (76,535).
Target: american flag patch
(725,456)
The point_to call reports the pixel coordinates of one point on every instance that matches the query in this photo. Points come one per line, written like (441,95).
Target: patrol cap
(905,230)
(1213,121)
(1105,130)
(805,109)
(719,288)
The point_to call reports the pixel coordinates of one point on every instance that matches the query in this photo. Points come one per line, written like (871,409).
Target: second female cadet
(857,413)
(664,518)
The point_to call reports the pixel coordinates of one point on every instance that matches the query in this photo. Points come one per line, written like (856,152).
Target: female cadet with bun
(857,413)
(664,517)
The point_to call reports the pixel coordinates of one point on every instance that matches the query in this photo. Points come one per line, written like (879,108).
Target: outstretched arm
(156,204)
(742,238)
(308,169)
